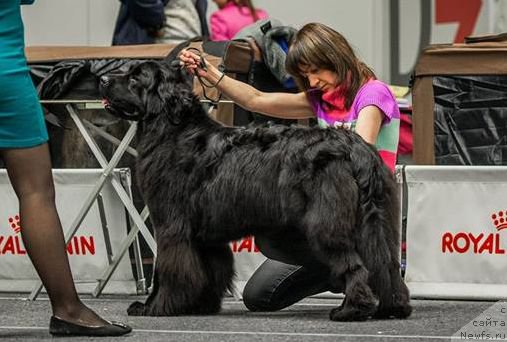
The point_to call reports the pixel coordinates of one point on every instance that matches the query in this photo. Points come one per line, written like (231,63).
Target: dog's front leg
(179,279)
(189,279)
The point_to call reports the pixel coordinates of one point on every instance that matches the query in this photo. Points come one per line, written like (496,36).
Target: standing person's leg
(29,170)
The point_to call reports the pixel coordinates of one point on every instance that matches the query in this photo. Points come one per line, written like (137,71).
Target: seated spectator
(139,21)
(184,19)
(232,16)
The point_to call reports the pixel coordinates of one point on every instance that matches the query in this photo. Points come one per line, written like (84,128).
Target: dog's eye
(132,81)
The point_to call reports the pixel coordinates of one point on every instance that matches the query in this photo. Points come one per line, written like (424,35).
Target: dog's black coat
(207,185)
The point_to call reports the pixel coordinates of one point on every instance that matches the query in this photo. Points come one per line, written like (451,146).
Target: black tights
(29,171)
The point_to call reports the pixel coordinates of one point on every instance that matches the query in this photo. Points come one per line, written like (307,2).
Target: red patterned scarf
(333,103)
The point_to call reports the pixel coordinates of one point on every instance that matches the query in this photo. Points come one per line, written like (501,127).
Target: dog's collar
(131,117)
(123,115)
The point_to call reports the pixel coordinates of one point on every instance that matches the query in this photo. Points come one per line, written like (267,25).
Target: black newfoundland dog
(207,185)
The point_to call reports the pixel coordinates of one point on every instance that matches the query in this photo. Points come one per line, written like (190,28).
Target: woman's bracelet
(212,85)
(219,79)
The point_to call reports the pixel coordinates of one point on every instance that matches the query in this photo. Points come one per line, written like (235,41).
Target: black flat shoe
(59,327)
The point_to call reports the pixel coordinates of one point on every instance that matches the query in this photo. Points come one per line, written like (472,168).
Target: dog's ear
(169,93)
(169,97)
(155,103)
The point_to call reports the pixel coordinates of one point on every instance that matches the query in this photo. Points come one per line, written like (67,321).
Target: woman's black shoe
(59,327)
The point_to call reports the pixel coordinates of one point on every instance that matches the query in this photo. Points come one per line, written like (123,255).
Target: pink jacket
(228,21)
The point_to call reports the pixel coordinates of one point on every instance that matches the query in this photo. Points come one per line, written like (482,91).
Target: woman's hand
(192,62)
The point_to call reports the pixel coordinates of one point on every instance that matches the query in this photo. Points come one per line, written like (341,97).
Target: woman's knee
(38,187)
(29,171)
(266,290)
(254,297)
(276,285)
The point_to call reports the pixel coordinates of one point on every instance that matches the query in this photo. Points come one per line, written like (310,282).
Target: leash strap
(205,84)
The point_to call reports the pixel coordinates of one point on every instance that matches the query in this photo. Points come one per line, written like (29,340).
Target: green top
(21,117)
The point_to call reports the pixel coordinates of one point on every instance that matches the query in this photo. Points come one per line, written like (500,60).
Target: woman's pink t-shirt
(373,93)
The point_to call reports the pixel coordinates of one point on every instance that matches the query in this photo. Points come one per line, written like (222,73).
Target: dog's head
(147,89)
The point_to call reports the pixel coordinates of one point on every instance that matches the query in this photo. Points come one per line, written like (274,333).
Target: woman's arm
(368,123)
(280,105)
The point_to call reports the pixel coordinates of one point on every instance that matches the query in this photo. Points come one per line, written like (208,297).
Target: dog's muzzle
(104,83)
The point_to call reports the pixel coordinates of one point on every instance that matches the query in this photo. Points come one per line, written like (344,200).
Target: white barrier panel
(247,258)
(87,249)
(456,232)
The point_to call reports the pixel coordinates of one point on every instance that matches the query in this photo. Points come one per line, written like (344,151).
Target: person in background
(24,150)
(185,19)
(139,22)
(339,90)
(232,16)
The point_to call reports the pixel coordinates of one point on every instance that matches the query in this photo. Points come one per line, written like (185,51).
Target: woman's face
(325,80)
(220,3)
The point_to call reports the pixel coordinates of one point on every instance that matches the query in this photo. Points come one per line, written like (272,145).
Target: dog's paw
(136,309)
(403,311)
(398,311)
(352,313)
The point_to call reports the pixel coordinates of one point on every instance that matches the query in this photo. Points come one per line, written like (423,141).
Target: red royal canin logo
(482,243)
(14,223)
(246,244)
(13,244)
(500,220)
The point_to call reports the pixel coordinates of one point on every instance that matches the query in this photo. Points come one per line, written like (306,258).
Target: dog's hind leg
(330,225)
(389,287)
(380,250)
(359,303)
(394,301)
(387,283)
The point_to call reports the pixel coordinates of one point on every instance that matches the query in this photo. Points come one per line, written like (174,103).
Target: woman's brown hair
(248,3)
(317,45)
